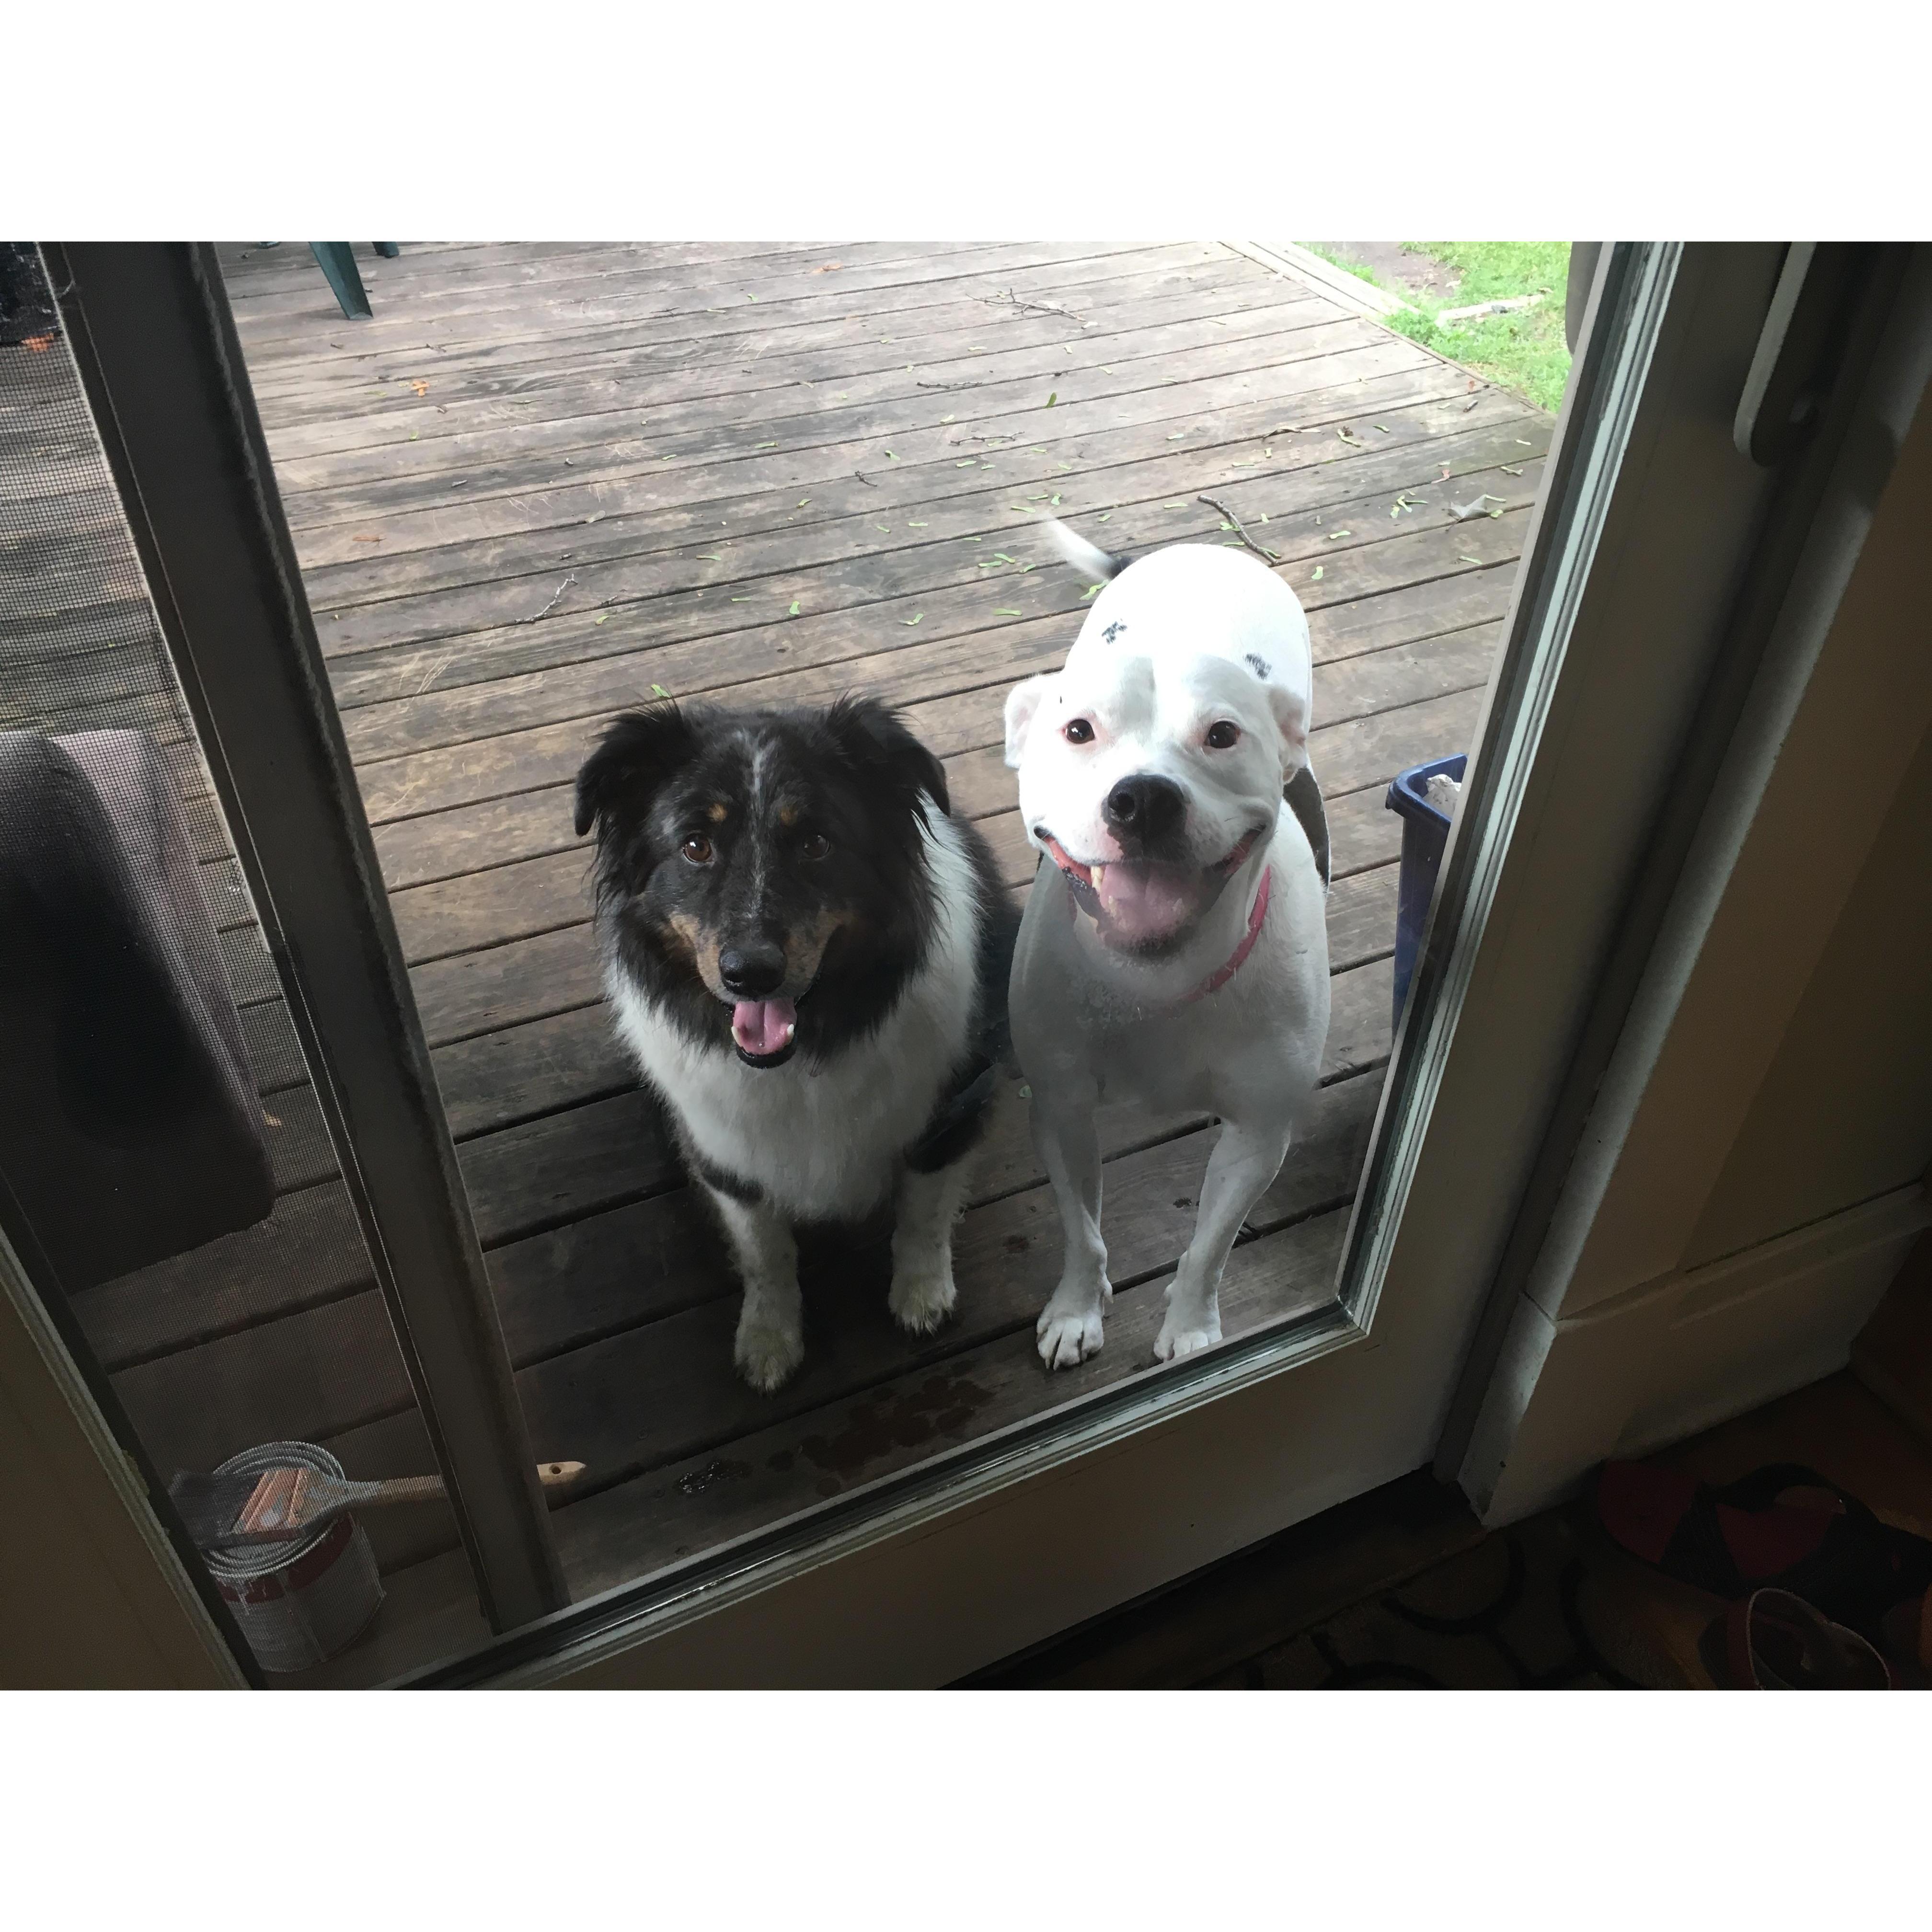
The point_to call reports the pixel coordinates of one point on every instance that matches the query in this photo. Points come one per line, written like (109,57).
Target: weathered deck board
(646,420)
(648,556)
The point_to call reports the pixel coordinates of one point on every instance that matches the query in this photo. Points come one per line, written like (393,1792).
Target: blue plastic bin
(1425,831)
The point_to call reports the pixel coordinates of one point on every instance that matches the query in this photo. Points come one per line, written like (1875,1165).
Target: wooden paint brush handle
(427,1488)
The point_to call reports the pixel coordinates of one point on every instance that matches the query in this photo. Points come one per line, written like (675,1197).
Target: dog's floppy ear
(1290,718)
(1022,701)
(637,752)
(873,738)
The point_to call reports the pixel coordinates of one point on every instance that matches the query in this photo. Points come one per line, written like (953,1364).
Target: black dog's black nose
(751,972)
(1145,808)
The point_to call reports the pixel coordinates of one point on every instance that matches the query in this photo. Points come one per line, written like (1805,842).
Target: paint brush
(251,1506)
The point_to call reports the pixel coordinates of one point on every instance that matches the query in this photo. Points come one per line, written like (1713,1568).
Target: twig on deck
(1037,308)
(1234,522)
(553,602)
(864,479)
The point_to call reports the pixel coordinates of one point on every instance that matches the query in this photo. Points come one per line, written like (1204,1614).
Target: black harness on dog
(955,1120)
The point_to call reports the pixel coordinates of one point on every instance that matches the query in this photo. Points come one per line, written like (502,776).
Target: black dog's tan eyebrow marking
(719,812)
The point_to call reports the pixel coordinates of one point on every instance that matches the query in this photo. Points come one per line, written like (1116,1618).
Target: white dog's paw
(1179,1337)
(1070,1327)
(922,1297)
(767,1352)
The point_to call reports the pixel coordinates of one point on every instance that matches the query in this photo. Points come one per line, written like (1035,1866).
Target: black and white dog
(807,956)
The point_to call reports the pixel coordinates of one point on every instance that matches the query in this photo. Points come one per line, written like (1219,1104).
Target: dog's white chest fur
(827,1142)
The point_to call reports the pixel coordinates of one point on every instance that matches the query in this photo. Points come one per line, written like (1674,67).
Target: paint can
(298,1603)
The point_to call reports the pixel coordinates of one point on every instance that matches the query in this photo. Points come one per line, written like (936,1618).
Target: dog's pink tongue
(763,1026)
(1145,901)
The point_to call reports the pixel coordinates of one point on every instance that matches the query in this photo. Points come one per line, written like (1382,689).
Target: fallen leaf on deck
(1092,590)
(658,691)
(909,622)
(365,539)
(1052,399)
(1009,613)
(1510,468)
(1317,574)
(604,618)
(793,611)
(825,268)
(1461,558)
(1335,536)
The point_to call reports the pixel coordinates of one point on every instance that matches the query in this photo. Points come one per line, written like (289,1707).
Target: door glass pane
(174,1185)
(541,488)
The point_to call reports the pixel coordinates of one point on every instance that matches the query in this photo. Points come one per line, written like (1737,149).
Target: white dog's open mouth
(1142,904)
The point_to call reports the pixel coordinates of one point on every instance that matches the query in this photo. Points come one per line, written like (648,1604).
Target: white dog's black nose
(751,972)
(1146,807)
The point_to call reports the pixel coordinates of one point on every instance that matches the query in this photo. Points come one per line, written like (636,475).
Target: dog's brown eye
(814,845)
(1079,733)
(1223,737)
(697,849)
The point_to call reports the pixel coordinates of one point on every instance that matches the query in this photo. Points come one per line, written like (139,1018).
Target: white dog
(1175,951)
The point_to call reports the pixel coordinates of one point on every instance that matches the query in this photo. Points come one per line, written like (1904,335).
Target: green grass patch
(1523,351)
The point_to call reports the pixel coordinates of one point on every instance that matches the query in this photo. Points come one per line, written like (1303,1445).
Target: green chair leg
(336,260)
(389,251)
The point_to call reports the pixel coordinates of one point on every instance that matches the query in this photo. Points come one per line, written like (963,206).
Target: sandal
(1771,1640)
(1784,1526)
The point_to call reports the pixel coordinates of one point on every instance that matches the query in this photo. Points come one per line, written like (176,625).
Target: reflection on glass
(171,1184)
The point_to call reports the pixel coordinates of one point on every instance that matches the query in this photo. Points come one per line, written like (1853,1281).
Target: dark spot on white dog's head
(1259,666)
(1113,630)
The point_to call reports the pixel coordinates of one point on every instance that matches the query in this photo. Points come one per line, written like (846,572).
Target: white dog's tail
(1094,563)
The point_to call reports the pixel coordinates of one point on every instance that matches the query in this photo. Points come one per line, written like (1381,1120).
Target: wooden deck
(544,479)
